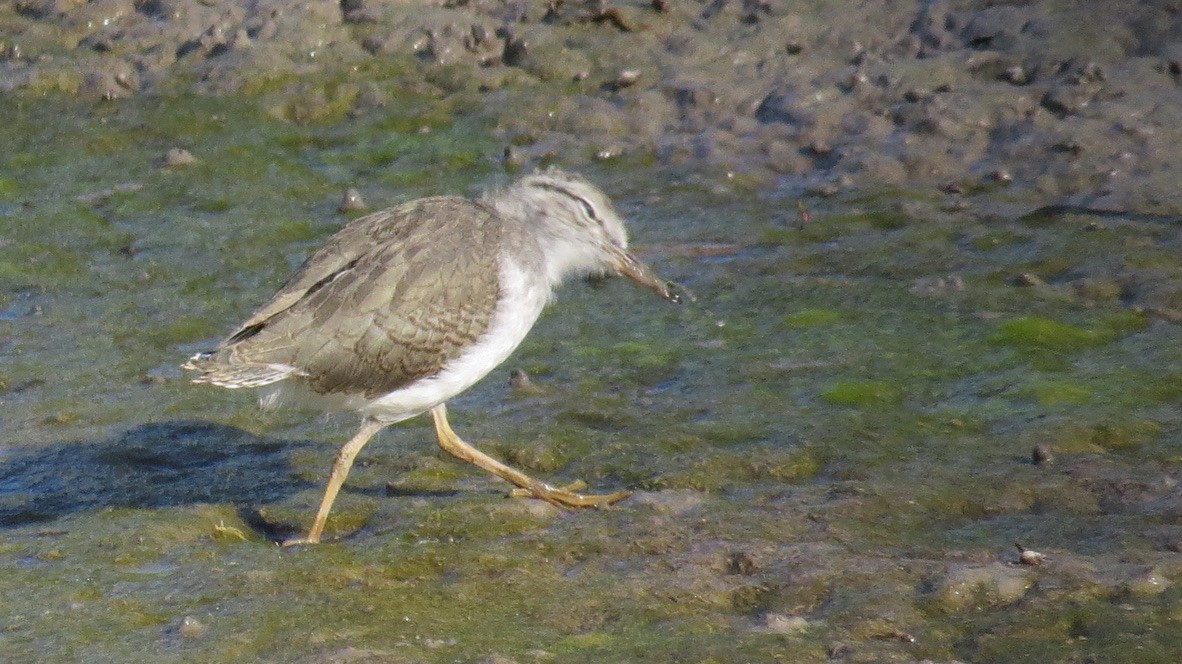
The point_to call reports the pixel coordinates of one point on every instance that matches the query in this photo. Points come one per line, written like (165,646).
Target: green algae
(1046,334)
(993,239)
(862,393)
(536,458)
(1056,392)
(812,317)
(1111,434)
(731,432)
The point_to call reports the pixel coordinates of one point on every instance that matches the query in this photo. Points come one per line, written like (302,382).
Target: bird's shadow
(167,464)
(162,464)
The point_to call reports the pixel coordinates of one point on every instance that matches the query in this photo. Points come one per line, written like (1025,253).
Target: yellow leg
(340,470)
(563,497)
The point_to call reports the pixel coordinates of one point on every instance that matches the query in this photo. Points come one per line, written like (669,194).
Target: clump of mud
(1056,102)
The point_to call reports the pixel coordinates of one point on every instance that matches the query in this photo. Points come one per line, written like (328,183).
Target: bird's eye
(584,204)
(587,208)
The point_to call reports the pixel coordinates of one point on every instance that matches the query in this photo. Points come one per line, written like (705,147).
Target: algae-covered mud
(925,407)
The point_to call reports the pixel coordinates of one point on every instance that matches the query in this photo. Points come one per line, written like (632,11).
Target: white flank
(521,302)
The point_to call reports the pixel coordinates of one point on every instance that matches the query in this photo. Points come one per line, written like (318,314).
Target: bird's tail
(218,369)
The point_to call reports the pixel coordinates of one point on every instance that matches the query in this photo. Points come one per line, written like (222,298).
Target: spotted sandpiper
(405,308)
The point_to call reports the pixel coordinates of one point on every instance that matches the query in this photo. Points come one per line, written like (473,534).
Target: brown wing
(387,300)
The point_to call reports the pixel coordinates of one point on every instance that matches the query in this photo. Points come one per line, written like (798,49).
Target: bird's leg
(564,497)
(340,470)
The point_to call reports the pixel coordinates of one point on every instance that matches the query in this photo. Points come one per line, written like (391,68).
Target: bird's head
(579,230)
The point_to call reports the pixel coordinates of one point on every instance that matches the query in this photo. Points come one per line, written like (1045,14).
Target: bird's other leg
(340,470)
(563,497)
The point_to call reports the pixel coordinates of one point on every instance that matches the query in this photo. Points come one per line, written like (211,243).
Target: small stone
(1016,75)
(1029,557)
(1032,558)
(781,624)
(818,147)
(519,381)
(1028,279)
(625,79)
(1041,454)
(352,201)
(179,157)
(191,628)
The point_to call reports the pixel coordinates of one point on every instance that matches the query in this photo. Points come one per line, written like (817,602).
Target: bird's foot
(567,497)
(296,541)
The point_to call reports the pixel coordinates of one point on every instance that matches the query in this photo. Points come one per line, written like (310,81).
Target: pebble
(179,157)
(352,201)
(1041,454)
(1029,556)
(625,79)
(519,381)
(777,623)
(191,628)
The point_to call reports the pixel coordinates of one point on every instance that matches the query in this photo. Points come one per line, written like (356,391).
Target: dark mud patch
(1051,102)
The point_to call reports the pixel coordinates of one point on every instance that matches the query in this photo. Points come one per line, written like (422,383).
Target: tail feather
(223,374)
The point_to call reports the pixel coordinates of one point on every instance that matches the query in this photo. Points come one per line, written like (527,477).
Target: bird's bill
(628,266)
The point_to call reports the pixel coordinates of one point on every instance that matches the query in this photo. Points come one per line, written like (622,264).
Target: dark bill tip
(639,273)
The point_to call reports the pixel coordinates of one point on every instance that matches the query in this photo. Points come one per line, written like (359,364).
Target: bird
(404,308)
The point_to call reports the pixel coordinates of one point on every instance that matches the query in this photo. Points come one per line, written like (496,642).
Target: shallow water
(831,448)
